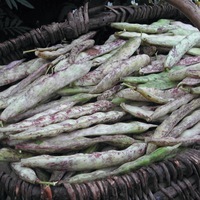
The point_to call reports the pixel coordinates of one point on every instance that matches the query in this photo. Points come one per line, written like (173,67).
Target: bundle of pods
(81,112)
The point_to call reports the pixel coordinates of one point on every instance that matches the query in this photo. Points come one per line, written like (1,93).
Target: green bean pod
(67,125)
(195,130)
(90,176)
(65,144)
(139,112)
(169,123)
(170,107)
(80,162)
(43,88)
(170,141)
(130,94)
(160,96)
(188,81)
(123,53)
(180,74)
(127,67)
(158,155)
(142,28)
(53,54)
(25,173)
(134,127)
(41,120)
(181,48)
(186,123)
(189,60)
(195,90)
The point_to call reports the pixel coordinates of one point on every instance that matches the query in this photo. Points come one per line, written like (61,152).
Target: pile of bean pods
(81,111)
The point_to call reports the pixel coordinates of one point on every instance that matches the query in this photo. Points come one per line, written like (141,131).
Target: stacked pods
(81,111)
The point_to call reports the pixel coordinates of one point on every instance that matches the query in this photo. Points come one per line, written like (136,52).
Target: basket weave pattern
(78,23)
(173,178)
(177,178)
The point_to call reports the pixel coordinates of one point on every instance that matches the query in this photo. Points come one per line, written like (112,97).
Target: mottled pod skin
(79,162)
(45,87)
(68,125)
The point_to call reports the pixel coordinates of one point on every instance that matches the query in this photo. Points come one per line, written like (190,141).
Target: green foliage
(13,4)
(10,26)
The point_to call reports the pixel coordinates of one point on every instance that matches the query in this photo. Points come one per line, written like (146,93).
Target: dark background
(17,17)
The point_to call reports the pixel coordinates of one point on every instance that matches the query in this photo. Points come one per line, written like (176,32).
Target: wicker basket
(177,178)
(80,22)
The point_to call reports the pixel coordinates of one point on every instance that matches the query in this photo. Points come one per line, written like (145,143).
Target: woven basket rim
(175,177)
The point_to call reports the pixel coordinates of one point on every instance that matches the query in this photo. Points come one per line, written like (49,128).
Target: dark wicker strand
(78,23)
(136,185)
